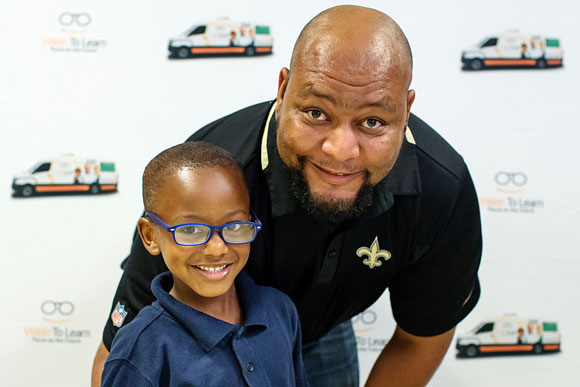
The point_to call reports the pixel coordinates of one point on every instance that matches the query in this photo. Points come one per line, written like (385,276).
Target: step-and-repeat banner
(91,91)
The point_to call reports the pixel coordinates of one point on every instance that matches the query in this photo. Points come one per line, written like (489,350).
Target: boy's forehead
(204,180)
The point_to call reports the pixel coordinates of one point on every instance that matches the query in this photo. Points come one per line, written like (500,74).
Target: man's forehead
(352,64)
(372,95)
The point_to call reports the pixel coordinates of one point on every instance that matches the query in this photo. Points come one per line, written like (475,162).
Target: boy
(205,329)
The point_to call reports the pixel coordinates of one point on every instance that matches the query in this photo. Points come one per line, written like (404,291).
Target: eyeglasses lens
(232,233)
(190,235)
(238,232)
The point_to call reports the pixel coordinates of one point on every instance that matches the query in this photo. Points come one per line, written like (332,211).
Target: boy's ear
(147,234)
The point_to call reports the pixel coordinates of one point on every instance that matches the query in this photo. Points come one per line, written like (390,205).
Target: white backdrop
(123,100)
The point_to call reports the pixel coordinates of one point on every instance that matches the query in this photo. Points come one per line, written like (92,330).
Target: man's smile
(334,177)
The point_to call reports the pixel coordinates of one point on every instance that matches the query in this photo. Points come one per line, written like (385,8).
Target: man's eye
(372,123)
(317,114)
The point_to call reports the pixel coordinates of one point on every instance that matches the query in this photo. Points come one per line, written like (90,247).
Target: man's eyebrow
(310,91)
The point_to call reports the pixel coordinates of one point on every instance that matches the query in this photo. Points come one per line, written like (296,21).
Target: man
(356,195)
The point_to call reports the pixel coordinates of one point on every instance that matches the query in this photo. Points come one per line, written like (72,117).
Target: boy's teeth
(212,269)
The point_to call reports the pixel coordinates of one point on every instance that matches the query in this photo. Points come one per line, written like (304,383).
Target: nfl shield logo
(118,315)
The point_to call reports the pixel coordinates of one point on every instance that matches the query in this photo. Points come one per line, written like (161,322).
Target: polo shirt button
(250,366)
(332,253)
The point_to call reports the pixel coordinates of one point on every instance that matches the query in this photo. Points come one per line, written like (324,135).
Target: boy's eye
(190,230)
(233,227)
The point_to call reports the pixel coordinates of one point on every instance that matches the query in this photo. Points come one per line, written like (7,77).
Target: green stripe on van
(107,167)
(550,327)
(262,30)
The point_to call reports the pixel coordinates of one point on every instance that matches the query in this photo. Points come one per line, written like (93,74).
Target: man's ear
(282,84)
(410,100)
(147,234)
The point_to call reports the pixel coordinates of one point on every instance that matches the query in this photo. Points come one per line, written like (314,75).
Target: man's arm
(409,360)
(98,365)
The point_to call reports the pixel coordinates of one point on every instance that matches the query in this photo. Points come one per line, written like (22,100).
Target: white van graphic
(66,174)
(510,334)
(513,49)
(221,37)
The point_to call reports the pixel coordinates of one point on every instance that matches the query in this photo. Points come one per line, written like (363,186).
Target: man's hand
(98,365)
(409,360)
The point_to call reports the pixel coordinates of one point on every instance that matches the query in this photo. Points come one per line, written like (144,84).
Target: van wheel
(471,351)
(476,64)
(95,189)
(27,190)
(541,63)
(538,348)
(183,52)
(250,51)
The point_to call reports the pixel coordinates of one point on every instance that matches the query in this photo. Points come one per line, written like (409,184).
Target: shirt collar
(404,178)
(208,330)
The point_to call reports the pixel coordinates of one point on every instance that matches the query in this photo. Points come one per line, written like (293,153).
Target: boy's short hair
(189,155)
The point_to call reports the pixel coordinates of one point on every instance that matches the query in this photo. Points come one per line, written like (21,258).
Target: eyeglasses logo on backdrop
(74,23)
(57,312)
(74,34)
(57,316)
(512,187)
(364,324)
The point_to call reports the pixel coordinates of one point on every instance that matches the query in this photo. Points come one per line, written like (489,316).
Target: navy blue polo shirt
(172,344)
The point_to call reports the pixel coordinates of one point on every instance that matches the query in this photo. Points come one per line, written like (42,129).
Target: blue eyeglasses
(195,234)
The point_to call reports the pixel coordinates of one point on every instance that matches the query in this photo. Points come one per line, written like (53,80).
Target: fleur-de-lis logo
(374,254)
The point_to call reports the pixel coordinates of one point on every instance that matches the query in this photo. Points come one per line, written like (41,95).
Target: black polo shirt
(421,237)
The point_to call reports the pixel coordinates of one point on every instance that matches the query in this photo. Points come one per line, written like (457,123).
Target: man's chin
(339,203)
(327,207)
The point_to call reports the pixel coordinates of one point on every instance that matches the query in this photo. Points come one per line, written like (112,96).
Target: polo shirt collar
(208,330)
(404,178)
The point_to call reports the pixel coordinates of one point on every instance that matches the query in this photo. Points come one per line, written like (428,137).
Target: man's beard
(333,210)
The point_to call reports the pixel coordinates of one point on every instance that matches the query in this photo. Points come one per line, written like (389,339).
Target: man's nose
(341,143)
(216,246)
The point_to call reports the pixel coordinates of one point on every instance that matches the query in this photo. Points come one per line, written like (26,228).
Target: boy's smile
(209,195)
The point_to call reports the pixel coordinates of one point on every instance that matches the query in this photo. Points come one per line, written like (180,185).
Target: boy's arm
(98,365)
(121,373)
(299,370)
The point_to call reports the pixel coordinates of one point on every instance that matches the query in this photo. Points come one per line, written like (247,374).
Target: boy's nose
(216,245)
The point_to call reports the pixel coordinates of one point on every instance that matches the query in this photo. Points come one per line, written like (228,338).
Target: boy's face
(209,195)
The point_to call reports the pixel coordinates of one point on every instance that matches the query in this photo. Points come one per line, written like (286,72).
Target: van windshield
(489,42)
(40,168)
(196,30)
(485,328)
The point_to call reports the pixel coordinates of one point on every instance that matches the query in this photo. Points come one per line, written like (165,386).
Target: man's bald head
(362,38)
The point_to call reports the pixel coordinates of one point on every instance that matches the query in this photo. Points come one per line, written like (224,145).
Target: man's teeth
(216,269)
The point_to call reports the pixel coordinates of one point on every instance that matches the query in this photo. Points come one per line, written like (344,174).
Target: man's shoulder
(434,149)
(239,132)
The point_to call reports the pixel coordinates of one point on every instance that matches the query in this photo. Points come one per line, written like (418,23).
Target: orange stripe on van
(509,62)
(218,50)
(61,188)
(108,187)
(263,49)
(506,348)
(551,347)
(554,62)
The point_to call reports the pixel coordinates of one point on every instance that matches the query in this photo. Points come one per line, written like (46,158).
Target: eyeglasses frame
(158,221)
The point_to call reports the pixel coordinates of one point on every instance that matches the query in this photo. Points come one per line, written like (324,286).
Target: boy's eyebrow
(196,218)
